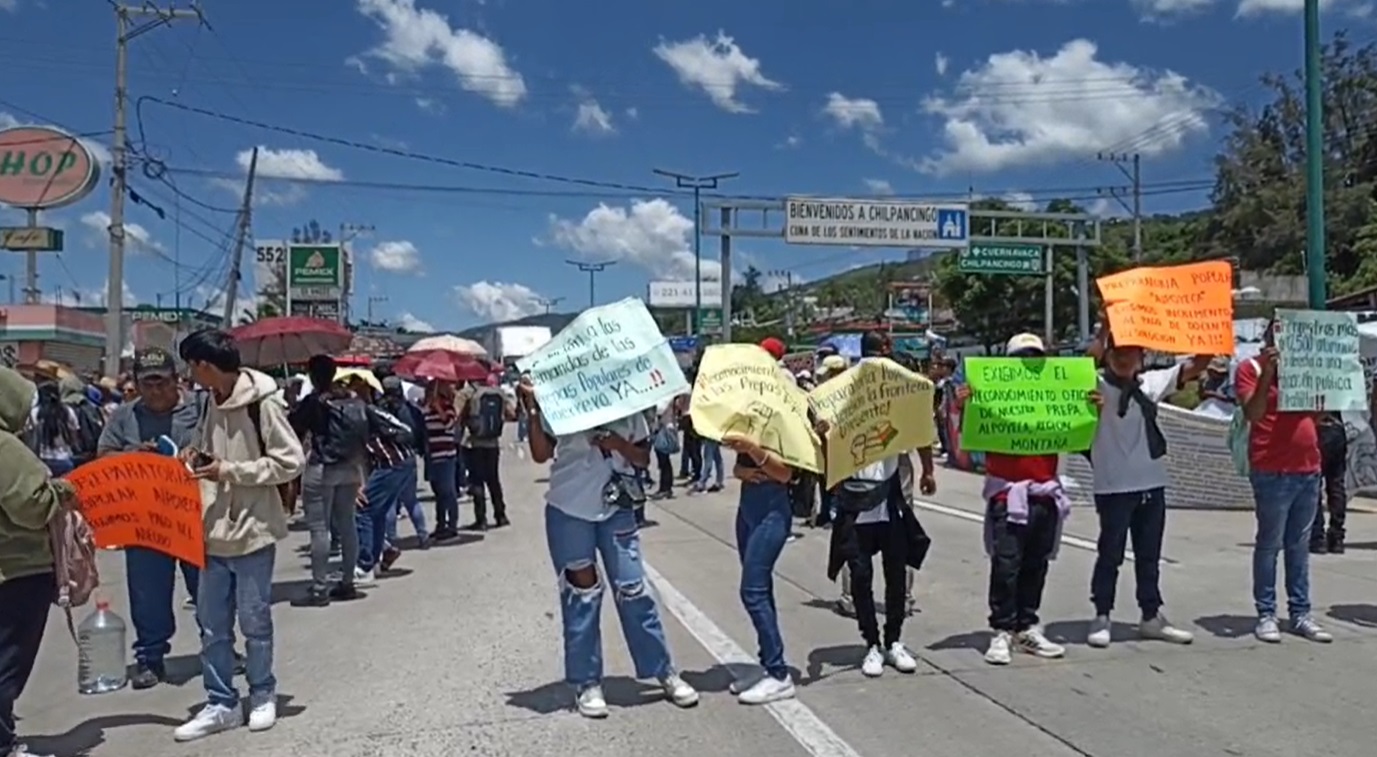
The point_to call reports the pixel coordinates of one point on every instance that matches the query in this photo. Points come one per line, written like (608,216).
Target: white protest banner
(608,363)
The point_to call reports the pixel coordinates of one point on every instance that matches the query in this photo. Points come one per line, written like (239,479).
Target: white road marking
(801,722)
(1067,539)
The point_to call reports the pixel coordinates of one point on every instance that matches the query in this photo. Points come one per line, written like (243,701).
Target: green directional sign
(712,320)
(1007,259)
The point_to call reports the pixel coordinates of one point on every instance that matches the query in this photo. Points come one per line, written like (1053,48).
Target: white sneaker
(365,579)
(998,653)
(746,683)
(212,719)
(22,751)
(1305,626)
(678,691)
(1099,632)
(874,664)
(262,713)
(900,658)
(1034,643)
(1268,629)
(1161,629)
(766,690)
(591,703)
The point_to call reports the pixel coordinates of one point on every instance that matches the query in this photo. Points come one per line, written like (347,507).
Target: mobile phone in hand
(201,460)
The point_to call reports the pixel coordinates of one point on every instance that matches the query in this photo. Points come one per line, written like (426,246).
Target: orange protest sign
(143,500)
(1186,309)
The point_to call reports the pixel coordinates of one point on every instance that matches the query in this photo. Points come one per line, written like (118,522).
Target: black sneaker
(502,522)
(147,676)
(1335,543)
(478,525)
(344,593)
(313,598)
(241,664)
(1318,547)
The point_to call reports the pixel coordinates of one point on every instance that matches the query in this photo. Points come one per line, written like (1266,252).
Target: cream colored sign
(875,410)
(740,390)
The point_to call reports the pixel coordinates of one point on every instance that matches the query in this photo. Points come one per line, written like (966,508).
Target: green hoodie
(29,497)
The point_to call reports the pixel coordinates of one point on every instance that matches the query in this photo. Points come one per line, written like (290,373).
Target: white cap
(1025,343)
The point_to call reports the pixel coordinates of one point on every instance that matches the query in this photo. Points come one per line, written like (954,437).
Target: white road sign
(875,223)
(269,265)
(679,294)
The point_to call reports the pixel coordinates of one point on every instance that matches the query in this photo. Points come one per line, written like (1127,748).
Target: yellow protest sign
(876,410)
(741,390)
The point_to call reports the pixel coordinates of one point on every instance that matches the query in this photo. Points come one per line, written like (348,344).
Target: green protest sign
(1029,406)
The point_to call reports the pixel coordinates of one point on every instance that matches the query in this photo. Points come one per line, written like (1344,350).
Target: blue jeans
(1143,517)
(523,428)
(384,490)
(237,588)
(151,578)
(712,464)
(1285,508)
(60,466)
(440,474)
(763,518)
(412,504)
(461,470)
(574,546)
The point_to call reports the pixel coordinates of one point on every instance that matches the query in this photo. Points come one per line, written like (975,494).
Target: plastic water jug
(101,645)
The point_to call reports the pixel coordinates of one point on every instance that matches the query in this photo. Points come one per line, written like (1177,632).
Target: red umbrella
(279,341)
(442,365)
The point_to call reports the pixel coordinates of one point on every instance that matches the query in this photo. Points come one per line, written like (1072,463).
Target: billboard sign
(269,265)
(680,294)
(315,272)
(42,167)
(329,311)
(875,223)
(1007,259)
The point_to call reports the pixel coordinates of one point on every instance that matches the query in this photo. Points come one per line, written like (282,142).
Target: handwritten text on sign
(876,410)
(1186,309)
(1029,406)
(1318,366)
(143,500)
(740,390)
(608,363)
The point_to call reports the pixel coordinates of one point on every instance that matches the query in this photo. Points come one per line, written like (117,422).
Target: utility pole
(549,303)
(372,300)
(131,22)
(788,291)
(592,269)
(10,279)
(240,239)
(1132,167)
(698,184)
(348,232)
(1314,158)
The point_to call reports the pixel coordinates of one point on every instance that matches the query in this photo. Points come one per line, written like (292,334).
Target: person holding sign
(1284,470)
(590,510)
(1128,456)
(1023,520)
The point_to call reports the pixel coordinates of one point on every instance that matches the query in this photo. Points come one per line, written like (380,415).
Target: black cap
(154,361)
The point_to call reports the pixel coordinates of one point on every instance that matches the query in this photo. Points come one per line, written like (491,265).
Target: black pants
(1334,494)
(23,616)
(1021,553)
(483,477)
(1142,516)
(693,451)
(887,540)
(666,469)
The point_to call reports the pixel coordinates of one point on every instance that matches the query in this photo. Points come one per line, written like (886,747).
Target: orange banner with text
(1184,309)
(143,500)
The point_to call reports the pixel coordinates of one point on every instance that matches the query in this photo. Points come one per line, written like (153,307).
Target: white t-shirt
(579,471)
(1120,453)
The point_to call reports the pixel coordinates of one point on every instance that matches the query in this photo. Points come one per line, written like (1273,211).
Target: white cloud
(430,105)
(1019,109)
(498,301)
(212,300)
(1021,201)
(89,296)
(633,113)
(397,257)
(9,5)
(409,322)
(651,234)
(98,150)
(791,142)
(417,38)
(941,64)
(716,66)
(1259,7)
(590,117)
(136,237)
(879,186)
(860,113)
(304,165)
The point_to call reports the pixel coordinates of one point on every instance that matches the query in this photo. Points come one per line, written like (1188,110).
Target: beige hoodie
(243,513)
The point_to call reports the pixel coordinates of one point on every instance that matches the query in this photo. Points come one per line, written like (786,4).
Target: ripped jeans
(575,544)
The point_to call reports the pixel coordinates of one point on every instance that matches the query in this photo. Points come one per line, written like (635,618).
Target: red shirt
(1277,442)
(1014,468)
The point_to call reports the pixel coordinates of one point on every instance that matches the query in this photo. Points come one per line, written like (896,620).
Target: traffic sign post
(1006,259)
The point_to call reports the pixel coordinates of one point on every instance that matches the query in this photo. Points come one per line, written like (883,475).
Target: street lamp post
(592,269)
(698,184)
(1314,158)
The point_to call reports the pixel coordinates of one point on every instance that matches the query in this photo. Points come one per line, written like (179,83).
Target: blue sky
(928,98)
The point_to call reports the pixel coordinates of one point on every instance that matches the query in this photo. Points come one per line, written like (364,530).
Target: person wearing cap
(1215,390)
(160,411)
(1128,455)
(1026,507)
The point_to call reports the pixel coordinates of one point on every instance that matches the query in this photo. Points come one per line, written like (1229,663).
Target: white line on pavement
(1067,539)
(796,717)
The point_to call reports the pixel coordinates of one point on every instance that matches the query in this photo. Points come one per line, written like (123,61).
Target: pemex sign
(314,272)
(42,167)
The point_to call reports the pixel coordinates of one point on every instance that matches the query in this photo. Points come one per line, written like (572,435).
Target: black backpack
(489,413)
(386,427)
(343,437)
(90,424)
